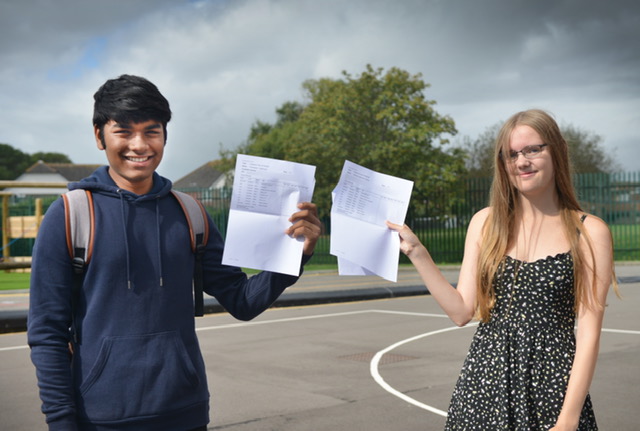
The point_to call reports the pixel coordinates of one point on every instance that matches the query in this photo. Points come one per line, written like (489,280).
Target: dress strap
(582,217)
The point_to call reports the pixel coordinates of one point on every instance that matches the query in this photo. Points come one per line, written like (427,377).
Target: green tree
(50,158)
(585,151)
(268,140)
(479,160)
(382,121)
(13,162)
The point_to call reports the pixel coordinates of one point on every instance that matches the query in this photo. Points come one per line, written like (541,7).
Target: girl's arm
(589,326)
(458,303)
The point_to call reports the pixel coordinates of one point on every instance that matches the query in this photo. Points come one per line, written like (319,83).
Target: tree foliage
(585,151)
(14,162)
(50,157)
(479,160)
(382,121)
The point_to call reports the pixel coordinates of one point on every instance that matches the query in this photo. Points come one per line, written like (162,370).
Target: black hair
(129,99)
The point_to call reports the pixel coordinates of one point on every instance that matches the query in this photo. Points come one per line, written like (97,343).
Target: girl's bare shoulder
(477,221)
(481,216)
(597,228)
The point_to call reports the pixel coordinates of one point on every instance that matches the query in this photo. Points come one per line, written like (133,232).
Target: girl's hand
(409,242)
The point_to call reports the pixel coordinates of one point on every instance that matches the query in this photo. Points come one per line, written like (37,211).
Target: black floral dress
(517,369)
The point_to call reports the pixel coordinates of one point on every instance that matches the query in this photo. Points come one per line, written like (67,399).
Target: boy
(137,364)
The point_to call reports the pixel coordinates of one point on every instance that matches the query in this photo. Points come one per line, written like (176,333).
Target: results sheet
(265,194)
(363,201)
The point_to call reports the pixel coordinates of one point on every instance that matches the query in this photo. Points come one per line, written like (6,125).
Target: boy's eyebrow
(128,126)
(117,125)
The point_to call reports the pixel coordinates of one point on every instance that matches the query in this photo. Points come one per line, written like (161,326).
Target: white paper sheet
(265,194)
(363,201)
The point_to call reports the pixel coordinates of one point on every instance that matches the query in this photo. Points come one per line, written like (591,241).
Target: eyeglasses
(529,152)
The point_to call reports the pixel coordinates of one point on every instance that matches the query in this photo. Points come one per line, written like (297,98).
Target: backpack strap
(80,231)
(199,234)
(80,227)
(79,220)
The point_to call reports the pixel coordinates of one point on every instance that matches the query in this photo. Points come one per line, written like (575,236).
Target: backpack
(80,228)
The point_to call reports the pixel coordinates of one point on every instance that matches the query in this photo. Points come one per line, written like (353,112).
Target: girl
(533,263)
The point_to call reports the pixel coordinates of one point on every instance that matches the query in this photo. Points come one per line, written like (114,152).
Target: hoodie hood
(101,182)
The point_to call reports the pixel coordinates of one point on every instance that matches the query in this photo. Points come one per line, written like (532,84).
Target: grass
(20,280)
(625,242)
(14,280)
(445,249)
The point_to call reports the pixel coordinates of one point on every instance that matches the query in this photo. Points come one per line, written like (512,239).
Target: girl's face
(529,163)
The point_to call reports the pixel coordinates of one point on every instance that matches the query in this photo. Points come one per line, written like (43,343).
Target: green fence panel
(443,223)
(613,197)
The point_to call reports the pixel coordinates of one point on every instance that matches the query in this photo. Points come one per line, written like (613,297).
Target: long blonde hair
(500,224)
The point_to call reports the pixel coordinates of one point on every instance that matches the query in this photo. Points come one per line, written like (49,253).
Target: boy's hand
(306,223)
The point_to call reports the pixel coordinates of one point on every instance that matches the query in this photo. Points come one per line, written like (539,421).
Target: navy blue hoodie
(138,365)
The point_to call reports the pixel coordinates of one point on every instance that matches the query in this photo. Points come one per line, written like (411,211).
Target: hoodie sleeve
(243,297)
(50,318)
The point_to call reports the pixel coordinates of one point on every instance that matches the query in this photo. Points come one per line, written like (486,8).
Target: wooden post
(38,214)
(5,226)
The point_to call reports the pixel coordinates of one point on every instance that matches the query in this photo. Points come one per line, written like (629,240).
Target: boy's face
(134,151)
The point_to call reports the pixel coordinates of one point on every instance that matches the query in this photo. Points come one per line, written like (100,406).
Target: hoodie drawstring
(158,239)
(126,238)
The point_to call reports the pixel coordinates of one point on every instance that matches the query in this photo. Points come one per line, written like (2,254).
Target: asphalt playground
(343,353)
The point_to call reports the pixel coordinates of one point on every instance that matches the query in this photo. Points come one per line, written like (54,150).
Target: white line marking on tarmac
(316,316)
(289,319)
(409,313)
(320,316)
(621,331)
(373,368)
(374,365)
(5,349)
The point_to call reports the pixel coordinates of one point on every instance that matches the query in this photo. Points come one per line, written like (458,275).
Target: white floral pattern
(516,372)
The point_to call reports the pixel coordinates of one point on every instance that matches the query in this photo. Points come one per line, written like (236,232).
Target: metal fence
(613,197)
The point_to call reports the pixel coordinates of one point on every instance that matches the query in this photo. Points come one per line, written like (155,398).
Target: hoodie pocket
(142,375)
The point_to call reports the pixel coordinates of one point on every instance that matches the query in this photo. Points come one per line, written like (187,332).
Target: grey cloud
(225,64)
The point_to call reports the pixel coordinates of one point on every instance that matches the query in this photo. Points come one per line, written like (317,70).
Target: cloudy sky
(223,64)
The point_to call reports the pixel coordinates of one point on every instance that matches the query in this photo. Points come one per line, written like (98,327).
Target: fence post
(38,213)
(5,226)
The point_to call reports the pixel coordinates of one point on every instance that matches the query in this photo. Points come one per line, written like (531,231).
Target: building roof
(203,177)
(70,171)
